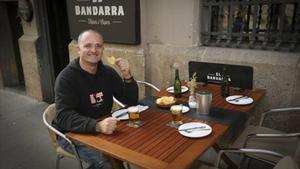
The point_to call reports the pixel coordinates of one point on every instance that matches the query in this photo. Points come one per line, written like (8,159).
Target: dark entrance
(52,43)
(53,28)
(10,31)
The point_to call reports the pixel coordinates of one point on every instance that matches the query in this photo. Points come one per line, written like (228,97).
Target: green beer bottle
(225,83)
(177,84)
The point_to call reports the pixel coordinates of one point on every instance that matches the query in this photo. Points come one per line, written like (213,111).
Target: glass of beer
(176,112)
(134,117)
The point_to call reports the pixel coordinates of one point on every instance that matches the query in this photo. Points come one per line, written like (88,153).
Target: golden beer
(176,112)
(134,116)
(176,116)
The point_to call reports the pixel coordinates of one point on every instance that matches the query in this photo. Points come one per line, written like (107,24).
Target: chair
(285,162)
(148,84)
(140,84)
(48,116)
(262,137)
(241,76)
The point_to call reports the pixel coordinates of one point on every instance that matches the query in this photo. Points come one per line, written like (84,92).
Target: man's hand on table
(107,125)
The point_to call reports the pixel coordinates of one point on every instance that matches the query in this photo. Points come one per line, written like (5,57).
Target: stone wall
(31,66)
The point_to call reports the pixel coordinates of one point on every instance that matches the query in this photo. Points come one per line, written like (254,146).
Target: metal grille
(260,24)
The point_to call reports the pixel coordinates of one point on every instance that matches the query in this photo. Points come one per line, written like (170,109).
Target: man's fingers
(112,120)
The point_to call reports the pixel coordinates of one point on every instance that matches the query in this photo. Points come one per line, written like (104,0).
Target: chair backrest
(241,76)
(297,154)
(139,82)
(48,117)
(146,88)
(142,91)
(286,163)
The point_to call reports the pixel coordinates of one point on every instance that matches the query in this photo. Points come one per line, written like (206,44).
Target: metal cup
(204,99)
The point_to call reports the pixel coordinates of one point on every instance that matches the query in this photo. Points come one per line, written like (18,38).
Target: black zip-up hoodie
(81,98)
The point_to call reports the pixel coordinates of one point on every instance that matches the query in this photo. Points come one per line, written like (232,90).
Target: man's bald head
(81,35)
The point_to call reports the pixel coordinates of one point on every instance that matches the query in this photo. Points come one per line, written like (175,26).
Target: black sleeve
(127,93)
(67,101)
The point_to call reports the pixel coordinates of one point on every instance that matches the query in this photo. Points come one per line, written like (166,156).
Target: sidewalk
(24,140)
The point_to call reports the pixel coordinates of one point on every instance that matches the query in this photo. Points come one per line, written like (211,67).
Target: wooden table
(157,146)
(218,101)
(154,145)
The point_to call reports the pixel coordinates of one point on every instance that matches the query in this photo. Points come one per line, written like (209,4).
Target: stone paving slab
(24,140)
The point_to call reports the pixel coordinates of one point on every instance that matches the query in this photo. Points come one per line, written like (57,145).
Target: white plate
(242,101)
(125,116)
(185,109)
(203,131)
(118,112)
(183,89)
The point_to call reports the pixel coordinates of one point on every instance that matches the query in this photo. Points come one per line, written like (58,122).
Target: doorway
(10,61)
(54,38)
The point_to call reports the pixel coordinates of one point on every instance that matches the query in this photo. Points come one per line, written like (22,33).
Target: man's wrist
(98,127)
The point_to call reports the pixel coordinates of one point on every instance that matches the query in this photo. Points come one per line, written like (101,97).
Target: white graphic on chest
(96,98)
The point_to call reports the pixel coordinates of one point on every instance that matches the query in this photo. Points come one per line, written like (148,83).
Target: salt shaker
(192,101)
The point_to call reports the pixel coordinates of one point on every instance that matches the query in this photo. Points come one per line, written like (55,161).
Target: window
(261,24)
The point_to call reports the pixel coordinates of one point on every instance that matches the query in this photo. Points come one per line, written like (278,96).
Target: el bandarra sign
(117,20)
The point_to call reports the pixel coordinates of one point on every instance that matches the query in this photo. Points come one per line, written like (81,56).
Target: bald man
(84,93)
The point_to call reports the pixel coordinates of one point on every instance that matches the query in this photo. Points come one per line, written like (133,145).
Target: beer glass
(176,112)
(134,117)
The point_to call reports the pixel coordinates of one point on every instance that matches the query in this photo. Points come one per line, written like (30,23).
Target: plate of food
(165,101)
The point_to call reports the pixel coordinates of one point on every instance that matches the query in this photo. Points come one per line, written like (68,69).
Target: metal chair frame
(246,151)
(53,131)
(283,135)
(139,82)
(271,136)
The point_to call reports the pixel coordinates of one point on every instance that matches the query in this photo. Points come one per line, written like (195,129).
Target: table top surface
(154,144)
